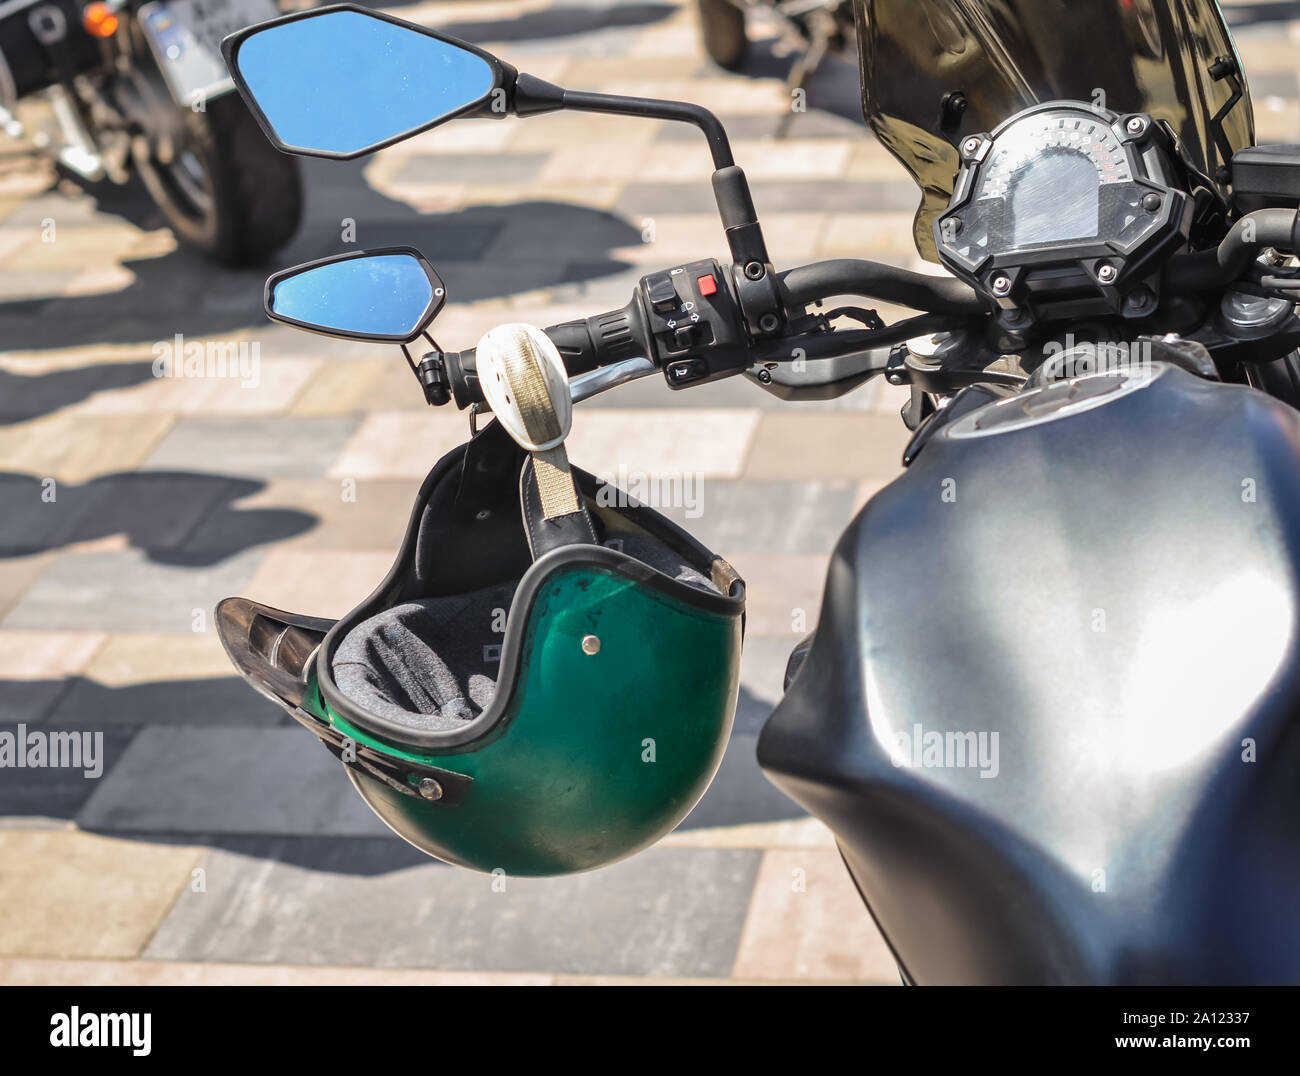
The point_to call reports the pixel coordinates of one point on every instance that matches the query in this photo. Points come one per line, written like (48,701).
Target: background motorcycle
(818,27)
(1098,567)
(140,87)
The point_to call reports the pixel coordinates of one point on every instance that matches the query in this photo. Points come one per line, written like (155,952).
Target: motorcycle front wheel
(224,189)
(722,31)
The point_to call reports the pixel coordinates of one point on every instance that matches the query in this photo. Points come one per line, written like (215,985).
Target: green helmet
(528,690)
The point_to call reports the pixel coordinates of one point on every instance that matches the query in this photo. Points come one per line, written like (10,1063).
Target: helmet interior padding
(431,663)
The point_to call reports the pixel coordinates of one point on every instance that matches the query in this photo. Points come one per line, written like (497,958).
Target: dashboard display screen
(1048,171)
(1055,198)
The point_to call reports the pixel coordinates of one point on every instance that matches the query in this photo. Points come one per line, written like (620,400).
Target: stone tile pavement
(219,844)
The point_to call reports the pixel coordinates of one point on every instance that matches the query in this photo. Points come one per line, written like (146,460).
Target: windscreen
(935,71)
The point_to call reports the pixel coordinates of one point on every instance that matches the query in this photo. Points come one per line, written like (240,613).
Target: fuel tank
(1051,709)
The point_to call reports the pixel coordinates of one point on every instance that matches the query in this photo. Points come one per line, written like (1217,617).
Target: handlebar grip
(462,375)
(584,344)
(588,343)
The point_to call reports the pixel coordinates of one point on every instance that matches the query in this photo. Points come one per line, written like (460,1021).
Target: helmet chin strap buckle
(524,381)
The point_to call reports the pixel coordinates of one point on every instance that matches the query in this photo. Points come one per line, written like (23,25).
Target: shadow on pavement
(175,517)
(28,396)
(541,244)
(118,711)
(739,793)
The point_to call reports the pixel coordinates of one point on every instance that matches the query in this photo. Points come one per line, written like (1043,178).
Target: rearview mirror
(341,81)
(388,295)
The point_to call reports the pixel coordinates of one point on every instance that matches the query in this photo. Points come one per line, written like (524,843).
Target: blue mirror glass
(342,83)
(390,296)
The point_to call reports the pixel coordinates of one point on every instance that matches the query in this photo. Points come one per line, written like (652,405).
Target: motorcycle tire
(227,192)
(722,30)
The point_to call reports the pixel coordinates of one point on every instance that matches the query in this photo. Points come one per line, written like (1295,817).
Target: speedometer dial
(1052,134)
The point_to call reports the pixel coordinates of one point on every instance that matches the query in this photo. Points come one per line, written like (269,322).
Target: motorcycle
(138,87)
(1049,707)
(817,27)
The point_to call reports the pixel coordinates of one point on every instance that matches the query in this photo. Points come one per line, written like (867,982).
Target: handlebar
(687,322)
(875,280)
(584,344)
(1206,270)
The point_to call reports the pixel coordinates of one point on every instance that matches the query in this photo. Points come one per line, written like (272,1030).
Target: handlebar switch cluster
(694,323)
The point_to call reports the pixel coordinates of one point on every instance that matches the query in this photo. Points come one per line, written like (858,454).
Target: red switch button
(706,284)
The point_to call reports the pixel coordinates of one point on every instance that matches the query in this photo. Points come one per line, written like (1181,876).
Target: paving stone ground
(220,844)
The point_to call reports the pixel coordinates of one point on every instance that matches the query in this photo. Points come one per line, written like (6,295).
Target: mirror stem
(533,96)
(680,111)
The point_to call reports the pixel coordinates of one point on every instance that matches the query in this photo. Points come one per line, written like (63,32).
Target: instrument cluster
(1067,210)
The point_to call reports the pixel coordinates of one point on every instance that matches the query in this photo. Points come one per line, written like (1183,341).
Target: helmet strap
(524,381)
(555,488)
(552,507)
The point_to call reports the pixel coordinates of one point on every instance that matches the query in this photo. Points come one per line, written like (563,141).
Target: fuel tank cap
(1051,402)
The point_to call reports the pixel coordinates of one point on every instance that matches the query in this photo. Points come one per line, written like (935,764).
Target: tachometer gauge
(1063,210)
